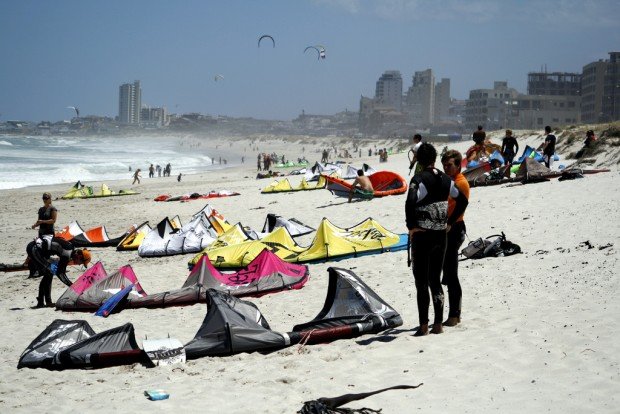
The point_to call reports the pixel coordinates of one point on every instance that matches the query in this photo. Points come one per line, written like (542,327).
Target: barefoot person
(362,183)
(451,162)
(548,147)
(426,211)
(39,251)
(136,177)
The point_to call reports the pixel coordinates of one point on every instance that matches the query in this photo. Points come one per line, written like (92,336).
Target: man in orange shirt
(451,162)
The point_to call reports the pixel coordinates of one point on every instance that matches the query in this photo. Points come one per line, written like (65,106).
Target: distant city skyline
(57,55)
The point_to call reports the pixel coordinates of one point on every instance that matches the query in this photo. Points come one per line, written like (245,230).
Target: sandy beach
(539,330)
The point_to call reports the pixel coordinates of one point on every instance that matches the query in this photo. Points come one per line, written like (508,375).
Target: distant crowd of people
(265,161)
(157,169)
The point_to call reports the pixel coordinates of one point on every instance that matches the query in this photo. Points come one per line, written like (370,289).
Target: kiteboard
(166,351)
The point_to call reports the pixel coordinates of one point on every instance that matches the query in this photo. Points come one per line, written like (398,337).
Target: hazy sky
(55,54)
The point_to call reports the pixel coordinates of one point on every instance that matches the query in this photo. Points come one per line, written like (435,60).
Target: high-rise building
(600,90)
(389,90)
(420,99)
(129,103)
(442,101)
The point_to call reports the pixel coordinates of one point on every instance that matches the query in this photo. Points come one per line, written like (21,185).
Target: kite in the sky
(320,50)
(266,37)
(77,111)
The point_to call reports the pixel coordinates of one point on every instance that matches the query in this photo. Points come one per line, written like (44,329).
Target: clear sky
(60,53)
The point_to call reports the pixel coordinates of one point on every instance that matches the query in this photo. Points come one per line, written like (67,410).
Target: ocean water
(40,160)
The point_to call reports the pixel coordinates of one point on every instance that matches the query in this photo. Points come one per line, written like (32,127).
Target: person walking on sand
(548,147)
(426,212)
(361,183)
(136,176)
(510,147)
(451,161)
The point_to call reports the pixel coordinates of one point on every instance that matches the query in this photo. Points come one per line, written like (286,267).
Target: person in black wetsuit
(46,216)
(40,250)
(426,211)
(510,147)
(548,147)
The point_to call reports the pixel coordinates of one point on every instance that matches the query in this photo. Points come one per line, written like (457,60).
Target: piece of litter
(156,395)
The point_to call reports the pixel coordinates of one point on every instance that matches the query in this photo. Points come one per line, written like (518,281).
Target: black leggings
(456,236)
(428,250)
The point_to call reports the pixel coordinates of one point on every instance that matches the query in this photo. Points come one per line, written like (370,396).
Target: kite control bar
(410,155)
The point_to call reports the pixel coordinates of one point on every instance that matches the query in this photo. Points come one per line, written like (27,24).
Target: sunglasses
(46,198)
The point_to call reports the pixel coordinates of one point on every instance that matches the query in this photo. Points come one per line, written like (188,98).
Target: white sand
(539,331)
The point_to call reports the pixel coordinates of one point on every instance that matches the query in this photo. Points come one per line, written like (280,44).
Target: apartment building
(129,103)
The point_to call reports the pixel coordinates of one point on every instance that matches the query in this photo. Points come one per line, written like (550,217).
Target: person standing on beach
(46,217)
(548,147)
(136,176)
(510,147)
(258,162)
(451,161)
(426,212)
(417,141)
(151,171)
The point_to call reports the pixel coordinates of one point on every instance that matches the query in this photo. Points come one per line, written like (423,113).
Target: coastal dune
(539,329)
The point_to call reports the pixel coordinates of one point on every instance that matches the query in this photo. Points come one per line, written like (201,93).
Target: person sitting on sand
(590,137)
(362,183)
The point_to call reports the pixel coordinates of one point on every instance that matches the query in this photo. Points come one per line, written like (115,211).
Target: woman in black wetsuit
(38,257)
(47,217)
